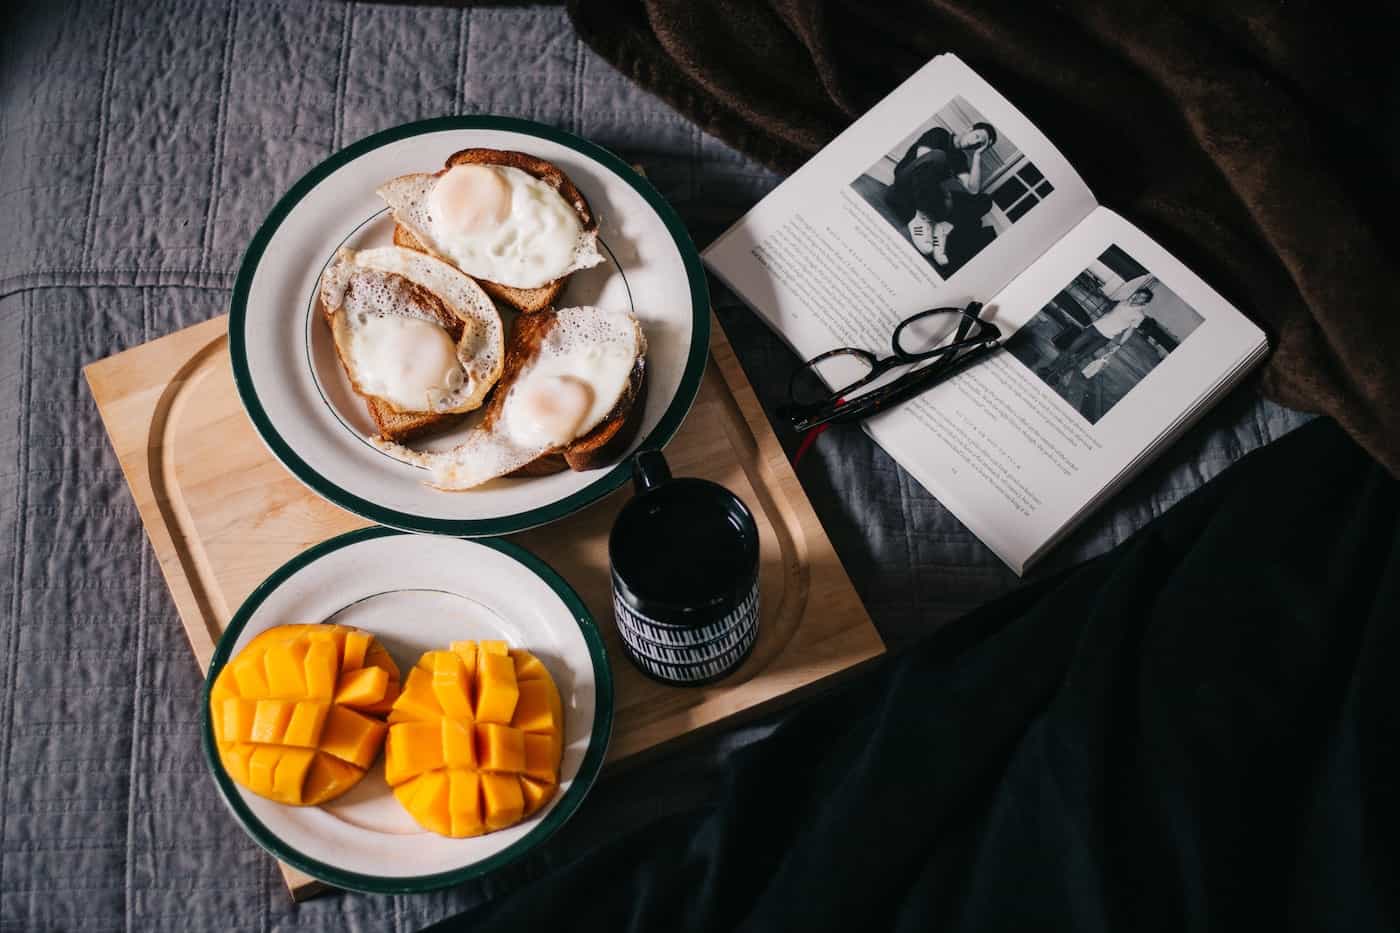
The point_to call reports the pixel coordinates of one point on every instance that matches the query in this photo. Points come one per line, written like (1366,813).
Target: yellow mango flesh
(364,687)
(466,650)
(412,748)
(464,804)
(450,685)
(502,748)
(293,712)
(352,737)
(534,710)
(475,739)
(536,793)
(502,801)
(542,753)
(417,699)
(496,687)
(458,744)
(356,646)
(306,724)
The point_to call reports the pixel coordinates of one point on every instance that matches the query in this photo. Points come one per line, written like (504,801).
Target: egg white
(594,346)
(366,319)
(540,240)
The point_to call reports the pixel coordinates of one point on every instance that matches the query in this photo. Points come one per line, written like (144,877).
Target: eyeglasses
(919,338)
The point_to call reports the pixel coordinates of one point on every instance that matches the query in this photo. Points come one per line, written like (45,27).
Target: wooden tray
(222,514)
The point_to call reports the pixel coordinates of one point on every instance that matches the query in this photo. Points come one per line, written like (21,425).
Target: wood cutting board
(222,514)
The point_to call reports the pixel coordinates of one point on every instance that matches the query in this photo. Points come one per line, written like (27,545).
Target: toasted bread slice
(525,300)
(396,424)
(608,439)
(400,426)
(549,340)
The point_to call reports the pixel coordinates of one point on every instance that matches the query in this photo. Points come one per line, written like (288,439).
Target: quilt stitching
(577,89)
(338,117)
(138,684)
(221,116)
(89,228)
(464,26)
(16,600)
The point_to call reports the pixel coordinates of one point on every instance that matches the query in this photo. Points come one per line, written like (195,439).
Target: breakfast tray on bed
(222,514)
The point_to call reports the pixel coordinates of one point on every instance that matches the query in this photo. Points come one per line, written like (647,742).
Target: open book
(944,194)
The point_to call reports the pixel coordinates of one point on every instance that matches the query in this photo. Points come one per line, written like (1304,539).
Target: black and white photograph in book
(952,186)
(1103,332)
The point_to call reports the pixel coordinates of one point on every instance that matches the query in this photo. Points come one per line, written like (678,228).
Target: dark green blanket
(1257,140)
(1198,730)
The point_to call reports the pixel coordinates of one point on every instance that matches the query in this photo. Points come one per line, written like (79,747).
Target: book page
(1112,344)
(939,195)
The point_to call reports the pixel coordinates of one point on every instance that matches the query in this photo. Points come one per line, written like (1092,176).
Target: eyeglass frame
(834,409)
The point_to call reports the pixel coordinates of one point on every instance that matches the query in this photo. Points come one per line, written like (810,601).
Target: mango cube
(500,748)
(250,680)
(413,747)
(328,778)
(464,804)
(352,736)
(426,797)
(417,699)
(304,728)
(356,646)
(534,710)
(270,720)
(502,800)
(236,723)
(284,664)
(384,705)
(262,765)
(320,668)
(363,687)
(542,754)
(458,744)
(536,793)
(496,689)
(236,758)
(290,774)
(466,650)
(376,656)
(527,666)
(450,684)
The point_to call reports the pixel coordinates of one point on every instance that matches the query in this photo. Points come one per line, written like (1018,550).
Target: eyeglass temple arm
(874,402)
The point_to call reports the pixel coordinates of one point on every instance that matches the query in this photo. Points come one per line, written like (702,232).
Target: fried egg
(494,222)
(571,383)
(411,330)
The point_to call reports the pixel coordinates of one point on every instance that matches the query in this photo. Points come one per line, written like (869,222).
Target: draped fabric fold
(1258,141)
(1193,731)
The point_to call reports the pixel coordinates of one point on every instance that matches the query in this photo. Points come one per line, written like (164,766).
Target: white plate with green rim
(417,593)
(300,401)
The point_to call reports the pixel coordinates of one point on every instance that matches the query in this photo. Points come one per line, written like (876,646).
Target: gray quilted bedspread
(139,147)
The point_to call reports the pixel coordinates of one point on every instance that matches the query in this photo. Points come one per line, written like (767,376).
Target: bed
(140,145)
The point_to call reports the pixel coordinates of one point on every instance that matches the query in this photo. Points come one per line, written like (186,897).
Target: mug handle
(649,469)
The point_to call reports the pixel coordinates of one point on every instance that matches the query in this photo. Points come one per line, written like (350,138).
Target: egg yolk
(469,198)
(552,409)
(408,361)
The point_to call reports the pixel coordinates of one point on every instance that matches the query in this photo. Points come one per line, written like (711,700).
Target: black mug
(684,560)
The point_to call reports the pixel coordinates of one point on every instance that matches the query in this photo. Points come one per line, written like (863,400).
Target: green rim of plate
(665,429)
(372,884)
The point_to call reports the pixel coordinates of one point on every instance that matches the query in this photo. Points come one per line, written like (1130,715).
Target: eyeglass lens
(829,375)
(923,333)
